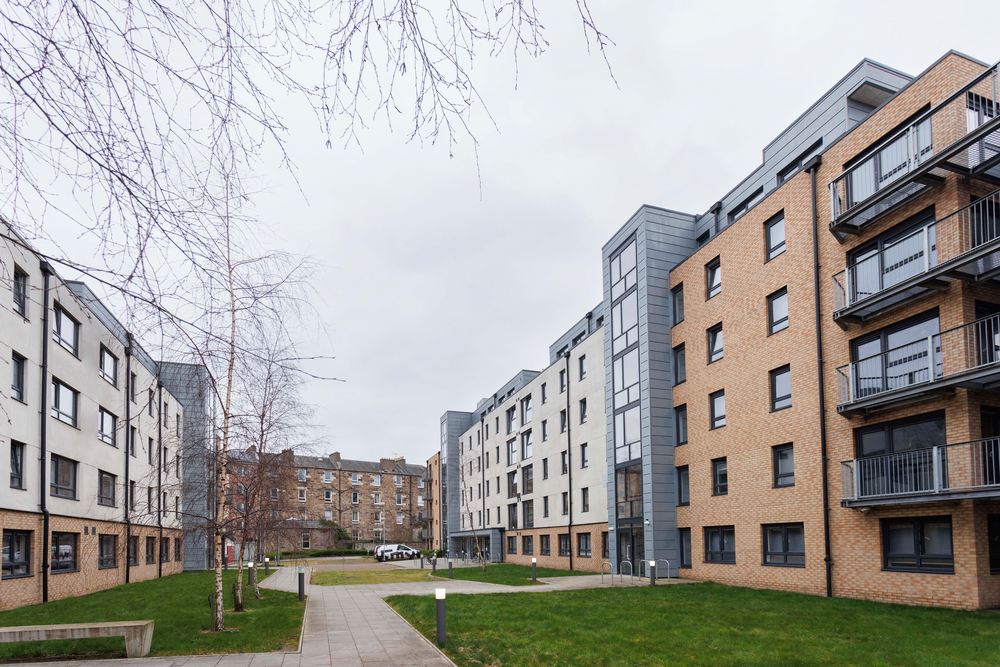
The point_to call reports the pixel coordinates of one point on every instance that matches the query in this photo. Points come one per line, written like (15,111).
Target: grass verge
(368,577)
(506,573)
(179,605)
(703,624)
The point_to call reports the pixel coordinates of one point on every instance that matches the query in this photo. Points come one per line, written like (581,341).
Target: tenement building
(435,509)
(528,464)
(91,442)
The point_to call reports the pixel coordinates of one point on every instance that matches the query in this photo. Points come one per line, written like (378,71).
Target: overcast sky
(436,293)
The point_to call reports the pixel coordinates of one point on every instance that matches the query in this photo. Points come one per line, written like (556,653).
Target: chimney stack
(386,465)
(335,459)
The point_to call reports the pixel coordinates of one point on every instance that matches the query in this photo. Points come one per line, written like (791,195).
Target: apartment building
(435,507)
(92,442)
(530,473)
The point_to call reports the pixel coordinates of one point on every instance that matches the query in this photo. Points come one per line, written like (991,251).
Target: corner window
(784,544)
(683,486)
(105,489)
(781,388)
(774,233)
(784,465)
(720,477)
(684,538)
(109,366)
(680,364)
(16,553)
(677,296)
(64,402)
(66,330)
(720,544)
(62,478)
(681,423)
(64,552)
(717,406)
(623,271)
(715,343)
(918,544)
(777,311)
(713,277)
(20,292)
(17,363)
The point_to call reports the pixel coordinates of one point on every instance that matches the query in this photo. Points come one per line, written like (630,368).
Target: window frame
(54,470)
(56,545)
(108,437)
(773,376)
(17,462)
(112,377)
(19,288)
(682,552)
(683,479)
(770,252)
(714,418)
(677,303)
(17,386)
(680,417)
(150,550)
(583,411)
(785,552)
(918,539)
(679,359)
(527,545)
(544,545)
(777,476)
(106,560)
(715,347)
(724,556)
(9,566)
(777,326)
(71,418)
(565,546)
(720,468)
(103,499)
(713,271)
(57,333)
(581,550)
(584,499)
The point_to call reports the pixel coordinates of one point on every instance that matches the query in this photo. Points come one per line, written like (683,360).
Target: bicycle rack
(495,557)
(610,571)
(643,566)
(664,560)
(631,575)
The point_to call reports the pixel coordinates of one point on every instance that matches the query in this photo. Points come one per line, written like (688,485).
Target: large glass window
(777,311)
(717,406)
(625,323)
(105,489)
(774,231)
(512,516)
(781,388)
(720,544)
(564,548)
(107,551)
(626,378)
(16,553)
(62,477)
(628,492)
(784,544)
(66,330)
(526,447)
(109,366)
(527,480)
(895,357)
(107,425)
(715,343)
(583,545)
(628,435)
(544,548)
(713,277)
(64,552)
(64,402)
(512,484)
(914,436)
(623,271)
(527,545)
(922,544)
(528,510)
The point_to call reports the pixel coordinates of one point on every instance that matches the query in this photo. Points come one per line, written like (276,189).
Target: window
(777,311)
(526,447)
(545,436)
(584,461)
(149,452)
(583,545)
(302,474)
(545,468)
(605,547)
(62,478)
(527,545)
(774,234)
(133,550)
(511,452)
(511,420)
(64,552)
(784,466)
(677,296)
(302,495)
(746,205)
(918,544)
(781,388)
(717,406)
(713,277)
(628,492)
(133,380)
(680,364)
(378,498)
(16,553)
(563,424)
(17,377)
(702,238)
(565,462)
(166,414)
(16,464)
(625,374)
(355,479)
(545,393)
(526,410)
(527,479)
(131,495)
(355,516)
(107,425)
(583,411)
(399,479)
(150,550)
(784,544)
(133,434)
(684,537)
(583,366)
(720,544)
(109,366)
(107,550)
(149,500)
(562,380)
(376,480)
(585,499)
(378,517)
(715,343)
(399,499)
(720,477)
(328,496)
(913,435)
(683,486)
(545,506)
(66,330)
(681,421)
(623,271)
(625,323)
(149,404)
(177,548)
(105,489)
(20,292)
(306,544)
(544,548)
(512,516)
(791,168)
(512,544)
(512,484)
(420,480)
(528,512)
(565,503)
(564,545)
(64,402)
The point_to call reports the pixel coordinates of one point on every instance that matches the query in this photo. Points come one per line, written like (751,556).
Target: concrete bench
(138,634)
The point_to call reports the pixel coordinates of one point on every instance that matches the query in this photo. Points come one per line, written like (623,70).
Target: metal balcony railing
(963,354)
(965,243)
(933,472)
(960,134)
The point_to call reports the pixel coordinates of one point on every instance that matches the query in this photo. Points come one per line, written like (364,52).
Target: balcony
(961,135)
(964,245)
(948,472)
(966,356)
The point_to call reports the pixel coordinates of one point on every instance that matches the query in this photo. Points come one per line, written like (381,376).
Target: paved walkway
(351,626)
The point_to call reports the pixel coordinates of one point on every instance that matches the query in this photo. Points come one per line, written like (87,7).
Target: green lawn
(368,577)
(505,573)
(179,605)
(701,624)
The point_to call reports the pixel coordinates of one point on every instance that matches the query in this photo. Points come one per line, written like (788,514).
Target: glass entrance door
(630,546)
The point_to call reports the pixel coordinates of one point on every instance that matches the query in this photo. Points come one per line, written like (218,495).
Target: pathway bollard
(434,565)
(652,573)
(421,561)
(439,595)
(534,566)
(450,574)
(267,566)
(302,583)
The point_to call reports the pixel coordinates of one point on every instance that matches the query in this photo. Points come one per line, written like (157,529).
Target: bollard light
(439,603)
(652,573)
(251,565)
(434,565)
(534,570)
(267,566)
(451,575)
(302,583)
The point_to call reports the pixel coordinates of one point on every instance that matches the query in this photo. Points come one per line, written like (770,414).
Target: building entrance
(630,547)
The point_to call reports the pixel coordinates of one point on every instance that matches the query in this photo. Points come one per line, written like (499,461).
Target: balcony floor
(925,497)
(983,378)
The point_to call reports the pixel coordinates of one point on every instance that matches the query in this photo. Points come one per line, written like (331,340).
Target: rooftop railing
(945,242)
(959,134)
(946,469)
(945,355)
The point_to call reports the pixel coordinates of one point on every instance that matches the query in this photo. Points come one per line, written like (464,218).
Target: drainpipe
(590,316)
(43,460)
(128,447)
(812,166)
(569,461)
(159,474)
(482,468)
(716,207)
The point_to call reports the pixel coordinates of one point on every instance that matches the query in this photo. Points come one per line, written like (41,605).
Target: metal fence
(959,350)
(946,468)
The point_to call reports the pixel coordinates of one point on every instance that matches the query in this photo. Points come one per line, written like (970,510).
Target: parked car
(395,552)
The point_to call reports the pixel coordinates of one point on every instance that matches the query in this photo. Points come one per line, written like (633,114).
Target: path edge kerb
(419,634)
